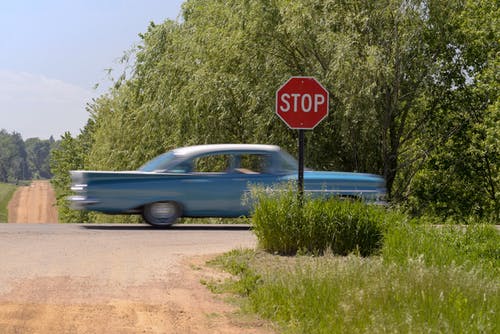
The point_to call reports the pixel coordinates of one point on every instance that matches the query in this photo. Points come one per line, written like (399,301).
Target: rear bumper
(81,202)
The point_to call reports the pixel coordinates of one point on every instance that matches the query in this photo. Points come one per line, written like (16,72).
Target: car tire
(161,214)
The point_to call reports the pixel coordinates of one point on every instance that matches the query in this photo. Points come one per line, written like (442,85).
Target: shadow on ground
(179,227)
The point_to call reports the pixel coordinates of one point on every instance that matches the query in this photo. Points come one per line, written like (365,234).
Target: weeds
(421,278)
(470,246)
(332,294)
(284,224)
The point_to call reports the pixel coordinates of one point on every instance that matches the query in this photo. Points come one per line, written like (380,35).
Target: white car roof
(202,149)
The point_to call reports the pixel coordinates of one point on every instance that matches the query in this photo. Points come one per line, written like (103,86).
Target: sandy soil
(61,305)
(62,278)
(33,204)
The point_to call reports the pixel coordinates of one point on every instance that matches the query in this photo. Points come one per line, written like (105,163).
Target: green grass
(470,247)
(287,225)
(425,280)
(6,192)
(379,271)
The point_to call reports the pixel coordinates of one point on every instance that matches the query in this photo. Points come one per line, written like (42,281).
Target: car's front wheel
(161,214)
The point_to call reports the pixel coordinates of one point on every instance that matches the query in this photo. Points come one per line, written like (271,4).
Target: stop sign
(302,102)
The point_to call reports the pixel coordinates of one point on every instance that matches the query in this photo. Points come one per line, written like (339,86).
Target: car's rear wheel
(161,214)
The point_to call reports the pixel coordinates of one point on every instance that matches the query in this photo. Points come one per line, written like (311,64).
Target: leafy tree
(38,157)
(413,89)
(69,154)
(461,176)
(13,166)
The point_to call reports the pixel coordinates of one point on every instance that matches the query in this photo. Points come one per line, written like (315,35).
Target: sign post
(302,103)
(301,163)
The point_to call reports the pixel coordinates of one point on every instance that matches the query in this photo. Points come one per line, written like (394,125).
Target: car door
(249,169)
(204,191)
(219,181)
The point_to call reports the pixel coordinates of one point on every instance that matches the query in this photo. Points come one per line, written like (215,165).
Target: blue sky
(53,53)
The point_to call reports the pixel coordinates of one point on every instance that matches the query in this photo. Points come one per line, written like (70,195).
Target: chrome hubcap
(162,210)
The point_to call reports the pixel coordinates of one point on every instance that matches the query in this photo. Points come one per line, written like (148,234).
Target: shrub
(285,224)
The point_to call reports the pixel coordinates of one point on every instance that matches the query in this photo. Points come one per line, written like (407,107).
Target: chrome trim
(78,187)
(80,202)
(342,191)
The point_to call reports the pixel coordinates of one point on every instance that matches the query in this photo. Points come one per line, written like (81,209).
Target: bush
(285,224)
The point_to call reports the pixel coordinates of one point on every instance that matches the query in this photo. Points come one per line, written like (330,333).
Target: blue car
(207,181)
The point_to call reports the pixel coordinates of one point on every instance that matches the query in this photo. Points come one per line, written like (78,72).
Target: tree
(412,84)
(461,177)
(38,157)
(13,165)
(69,154)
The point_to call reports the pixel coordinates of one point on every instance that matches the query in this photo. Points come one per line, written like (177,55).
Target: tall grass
(422,278)
(6,192)
(332,294)
(286,224)
(472,246)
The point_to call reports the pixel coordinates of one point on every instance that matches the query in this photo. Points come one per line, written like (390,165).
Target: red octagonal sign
(302,102)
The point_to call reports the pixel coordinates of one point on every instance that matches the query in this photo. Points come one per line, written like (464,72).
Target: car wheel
(161,214)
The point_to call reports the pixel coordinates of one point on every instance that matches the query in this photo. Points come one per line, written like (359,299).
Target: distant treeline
(24,159)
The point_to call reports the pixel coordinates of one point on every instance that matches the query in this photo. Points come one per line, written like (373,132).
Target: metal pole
(301,164)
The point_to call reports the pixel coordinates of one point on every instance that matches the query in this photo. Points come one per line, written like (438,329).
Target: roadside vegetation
(386,273)
(413,86)
(287,224)
(352,294)
(6,192)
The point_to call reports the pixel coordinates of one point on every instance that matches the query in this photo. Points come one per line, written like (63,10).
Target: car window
(181,167)
(253,163)
(285,162)
(161,162)
(216,163)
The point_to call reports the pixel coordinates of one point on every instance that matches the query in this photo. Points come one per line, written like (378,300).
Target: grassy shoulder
(458,293)
(378,271)
(6,192)
(332,294)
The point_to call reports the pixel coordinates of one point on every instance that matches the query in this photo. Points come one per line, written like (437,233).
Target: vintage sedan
(207,181)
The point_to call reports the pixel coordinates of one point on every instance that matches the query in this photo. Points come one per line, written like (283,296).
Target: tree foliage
(413,87)
(69,155)
(24,160)
(460,176)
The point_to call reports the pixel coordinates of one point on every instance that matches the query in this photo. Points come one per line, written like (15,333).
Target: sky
(54,52)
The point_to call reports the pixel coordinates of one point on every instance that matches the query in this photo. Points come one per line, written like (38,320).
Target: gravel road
(64,278)
(35,203)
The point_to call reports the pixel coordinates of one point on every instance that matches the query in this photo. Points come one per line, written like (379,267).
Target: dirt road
(66,278)
(33,204)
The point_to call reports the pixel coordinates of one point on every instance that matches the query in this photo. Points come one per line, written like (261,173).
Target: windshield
(160,163)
